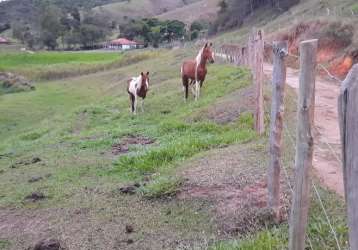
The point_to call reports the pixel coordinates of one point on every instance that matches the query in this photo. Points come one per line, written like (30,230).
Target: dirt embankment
(337,43)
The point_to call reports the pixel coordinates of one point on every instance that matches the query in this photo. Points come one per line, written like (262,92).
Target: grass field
(50,65)
(72,124)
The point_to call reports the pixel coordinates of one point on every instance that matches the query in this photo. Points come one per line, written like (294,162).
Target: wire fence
(232,54)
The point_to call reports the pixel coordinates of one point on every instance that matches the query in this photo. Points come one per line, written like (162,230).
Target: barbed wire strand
(331,149)
(289,184)
(318,195)
(329,74)
(287,178)
(334,153)
(325,213)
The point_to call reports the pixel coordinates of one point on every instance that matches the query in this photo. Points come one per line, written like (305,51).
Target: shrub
(342,34)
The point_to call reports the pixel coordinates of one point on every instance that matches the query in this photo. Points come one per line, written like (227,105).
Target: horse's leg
(185,88)
(197,90)
(192,87)
(131,99)
(135,104)
(141,105)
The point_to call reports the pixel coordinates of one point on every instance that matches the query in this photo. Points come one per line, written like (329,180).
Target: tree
(50,25)
(223,6)
(90,34)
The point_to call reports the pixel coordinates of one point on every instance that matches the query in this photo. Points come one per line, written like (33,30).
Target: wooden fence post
(304,150)
(348,119)
(251,48)
(277,109)
(257,66)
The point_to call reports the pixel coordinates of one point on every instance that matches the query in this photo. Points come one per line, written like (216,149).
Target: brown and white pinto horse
(194,71)
(138,87)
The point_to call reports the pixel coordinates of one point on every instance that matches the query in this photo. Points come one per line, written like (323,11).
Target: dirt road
(327,154)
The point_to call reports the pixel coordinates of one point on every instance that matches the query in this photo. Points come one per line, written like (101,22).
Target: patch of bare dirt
(26,162)
(229,108)
(126,142)
(101,223)
(234,180)
(48,244)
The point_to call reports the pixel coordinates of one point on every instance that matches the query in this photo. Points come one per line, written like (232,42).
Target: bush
(342,34)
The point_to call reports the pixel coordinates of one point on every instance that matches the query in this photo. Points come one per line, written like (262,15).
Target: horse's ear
(211,44)
(206,45)
(148,73)
(141,73)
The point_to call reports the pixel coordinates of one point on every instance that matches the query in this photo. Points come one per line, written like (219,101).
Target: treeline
(154,32)
(24,10)
(233,12)
(68,24)
(55,26)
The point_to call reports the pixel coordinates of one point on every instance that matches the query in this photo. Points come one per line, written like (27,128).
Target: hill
(143,8)
(24,10)
(201,10)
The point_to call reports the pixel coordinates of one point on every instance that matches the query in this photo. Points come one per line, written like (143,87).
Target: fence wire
(227,57)
(334,233)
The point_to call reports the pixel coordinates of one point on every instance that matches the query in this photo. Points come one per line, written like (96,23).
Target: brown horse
(194,71)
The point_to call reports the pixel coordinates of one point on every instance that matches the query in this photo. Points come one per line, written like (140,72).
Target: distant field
(50,58)
(54,65)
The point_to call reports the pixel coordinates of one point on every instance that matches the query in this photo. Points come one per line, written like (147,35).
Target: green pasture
(72,123)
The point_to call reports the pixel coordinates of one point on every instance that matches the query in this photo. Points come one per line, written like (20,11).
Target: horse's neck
(139,82)
(200,60)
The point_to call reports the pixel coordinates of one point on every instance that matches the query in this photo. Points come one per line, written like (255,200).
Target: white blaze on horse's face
(213,57)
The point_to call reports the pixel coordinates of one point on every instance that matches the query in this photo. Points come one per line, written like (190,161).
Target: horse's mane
(198,57)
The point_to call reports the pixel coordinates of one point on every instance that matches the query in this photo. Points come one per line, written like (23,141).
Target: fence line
(287,177)
(290,136)
(235,54)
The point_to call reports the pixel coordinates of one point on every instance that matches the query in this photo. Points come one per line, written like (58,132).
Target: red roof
(124,41)
(3,40)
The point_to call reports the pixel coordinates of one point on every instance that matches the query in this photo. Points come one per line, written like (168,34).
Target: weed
(31,136)
(4,244)
(354,8)
(341,34)
(161,187)
(266,240)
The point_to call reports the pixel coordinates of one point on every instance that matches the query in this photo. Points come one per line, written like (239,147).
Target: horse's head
(208,53)
(145,79)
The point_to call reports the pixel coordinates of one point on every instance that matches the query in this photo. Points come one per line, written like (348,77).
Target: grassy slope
(141,8)
(307,10)
(202,10)
(71,125)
